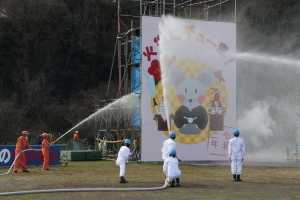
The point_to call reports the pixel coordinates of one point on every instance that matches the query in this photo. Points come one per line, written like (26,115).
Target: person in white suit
(122,159)
(168,145)
(236,153)
(171,169)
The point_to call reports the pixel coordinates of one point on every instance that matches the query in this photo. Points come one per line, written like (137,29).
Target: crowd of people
(171,161)
(236,152)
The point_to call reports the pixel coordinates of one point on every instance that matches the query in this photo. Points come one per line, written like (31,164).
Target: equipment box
(73,155)
(93,155)
(81,155)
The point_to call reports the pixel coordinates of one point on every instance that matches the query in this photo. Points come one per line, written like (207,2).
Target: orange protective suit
(45,152)
(21,160)
(76,137)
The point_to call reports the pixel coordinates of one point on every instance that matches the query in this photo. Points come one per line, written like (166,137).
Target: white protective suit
(123,159)
(170,168)
(168,145)
(236,151)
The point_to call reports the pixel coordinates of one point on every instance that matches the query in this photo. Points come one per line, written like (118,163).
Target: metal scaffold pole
(119,71)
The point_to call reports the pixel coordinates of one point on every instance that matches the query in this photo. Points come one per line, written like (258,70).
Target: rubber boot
(238,178)
(172,184)
(123,180)
(177,182)
(234,177)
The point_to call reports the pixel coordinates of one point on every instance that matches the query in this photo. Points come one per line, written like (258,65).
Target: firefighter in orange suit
(21,159)
(76,135)
(45,151)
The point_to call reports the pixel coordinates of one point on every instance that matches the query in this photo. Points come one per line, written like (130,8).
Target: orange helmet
(25,132)
(45,134)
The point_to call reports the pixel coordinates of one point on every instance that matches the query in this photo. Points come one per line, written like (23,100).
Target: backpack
(38,140)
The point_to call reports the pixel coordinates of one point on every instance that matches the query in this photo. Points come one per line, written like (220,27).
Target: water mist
(268,100)
(126,102)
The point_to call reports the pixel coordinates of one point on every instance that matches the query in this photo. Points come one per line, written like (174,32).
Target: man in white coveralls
(168,145)
(171,170)
(236,152)
(122,159)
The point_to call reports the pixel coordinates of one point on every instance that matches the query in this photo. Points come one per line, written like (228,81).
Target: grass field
(200,181)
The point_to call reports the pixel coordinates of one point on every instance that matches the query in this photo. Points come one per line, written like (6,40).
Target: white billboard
(188,86)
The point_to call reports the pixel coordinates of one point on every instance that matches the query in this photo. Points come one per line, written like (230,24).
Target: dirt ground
(201,180)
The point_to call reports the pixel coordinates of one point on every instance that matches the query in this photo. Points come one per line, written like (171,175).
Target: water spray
(163,66)
(111,105)
(268,58)
(118,102)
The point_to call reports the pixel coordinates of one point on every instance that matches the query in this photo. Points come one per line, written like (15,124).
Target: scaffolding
(295,154)
(116,125)
(191,9)
(116,122)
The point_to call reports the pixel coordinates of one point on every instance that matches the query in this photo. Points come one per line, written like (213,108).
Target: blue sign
(7,155)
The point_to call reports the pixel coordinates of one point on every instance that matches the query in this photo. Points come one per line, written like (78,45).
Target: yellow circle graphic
(191,68)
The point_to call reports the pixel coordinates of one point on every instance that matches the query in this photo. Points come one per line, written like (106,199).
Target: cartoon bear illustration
(191,117)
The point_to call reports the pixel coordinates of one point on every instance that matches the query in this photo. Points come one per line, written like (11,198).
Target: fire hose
(18,156)
(83,190)
(74,189)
